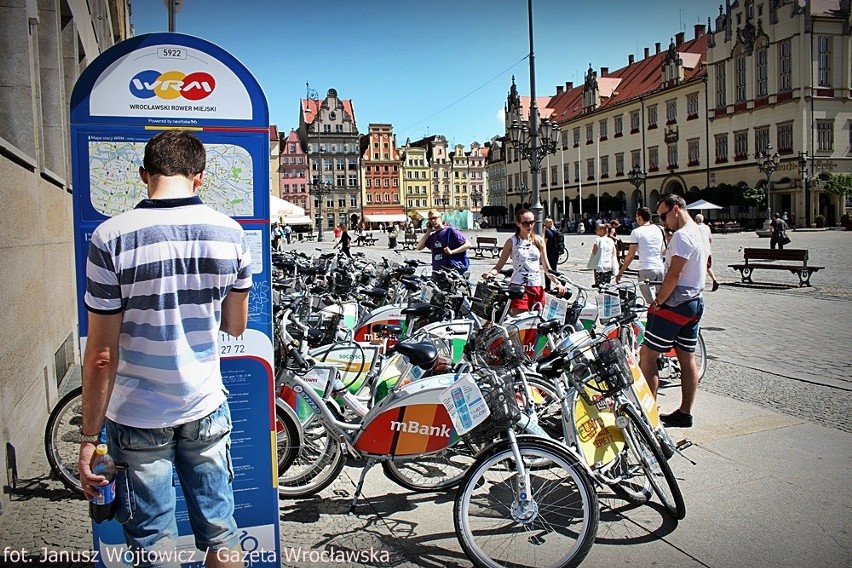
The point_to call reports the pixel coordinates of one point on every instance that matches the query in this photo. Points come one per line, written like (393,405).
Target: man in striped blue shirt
(162,281)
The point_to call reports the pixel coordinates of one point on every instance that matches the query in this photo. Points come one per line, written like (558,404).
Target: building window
(603,129)
(576,136)
(590,169)
(590,133)
(369,198)
(824,61)
(692,106)
(761,61)
(566,171)
(576,171)
(672,154)
(618,125)
(353,201)
(825,135)
(634,122)
(619,164)
(721,99)
(761,138)
(605,167)
(740,66)
(786,65)
(784,135)
(635,159)
(741,145)
(671,111)
(564,135)
(721,148)
(652,116)
(693,151)
(653,159)
(553,175)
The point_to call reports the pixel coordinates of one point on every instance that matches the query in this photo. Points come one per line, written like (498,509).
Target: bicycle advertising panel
(134,90)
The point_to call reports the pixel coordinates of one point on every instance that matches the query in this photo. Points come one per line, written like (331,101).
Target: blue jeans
(200,453)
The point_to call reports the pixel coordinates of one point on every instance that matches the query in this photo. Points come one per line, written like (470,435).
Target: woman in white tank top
(526,249)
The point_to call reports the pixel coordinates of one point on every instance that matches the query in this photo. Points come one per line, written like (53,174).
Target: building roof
(632,81)
(311,106)
(273,133)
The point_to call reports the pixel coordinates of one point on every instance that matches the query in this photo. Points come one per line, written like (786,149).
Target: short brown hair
(174,152)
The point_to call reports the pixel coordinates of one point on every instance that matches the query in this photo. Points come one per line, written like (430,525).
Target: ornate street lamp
(319,189)
(637,177)
(767,163)
(445,200)
(806,180)
(537,139)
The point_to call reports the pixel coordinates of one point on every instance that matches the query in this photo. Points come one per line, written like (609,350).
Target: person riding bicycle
(674,317)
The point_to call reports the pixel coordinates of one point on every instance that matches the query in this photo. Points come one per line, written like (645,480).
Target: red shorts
(533,298)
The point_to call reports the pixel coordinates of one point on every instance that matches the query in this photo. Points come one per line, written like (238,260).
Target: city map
(116,187)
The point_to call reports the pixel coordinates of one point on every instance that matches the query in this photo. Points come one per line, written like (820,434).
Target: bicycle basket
(602,367)
(498,346)
(490,301)
(499,395)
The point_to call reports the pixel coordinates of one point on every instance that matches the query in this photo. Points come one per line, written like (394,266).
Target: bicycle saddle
(417,310)
(507,272)
(551,365)
(514,291)
(389,328)
(421,354)
(549,326)
(410,285)
(376,293)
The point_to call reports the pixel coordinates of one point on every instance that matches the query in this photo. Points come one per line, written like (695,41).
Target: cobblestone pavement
(781,348)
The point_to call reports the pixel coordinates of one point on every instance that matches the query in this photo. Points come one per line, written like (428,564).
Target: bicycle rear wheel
(647,450)
(318,462)
(555,527)
(62,439)
(286,440)
(435,472)
(701,356)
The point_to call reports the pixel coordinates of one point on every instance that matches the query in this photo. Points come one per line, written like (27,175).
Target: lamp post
(319,189)
(445,200)
(536,139)
(637,177)
(767,163)
(806,180)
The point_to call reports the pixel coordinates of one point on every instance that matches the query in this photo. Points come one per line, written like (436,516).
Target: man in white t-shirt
(674,317)
(648,241)
(708,241)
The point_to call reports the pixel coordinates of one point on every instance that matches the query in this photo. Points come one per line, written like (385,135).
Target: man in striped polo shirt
(162,281)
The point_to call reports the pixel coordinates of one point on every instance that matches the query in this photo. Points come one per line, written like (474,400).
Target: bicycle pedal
(683,444)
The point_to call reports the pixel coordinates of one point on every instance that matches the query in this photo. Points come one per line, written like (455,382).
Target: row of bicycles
(526,417)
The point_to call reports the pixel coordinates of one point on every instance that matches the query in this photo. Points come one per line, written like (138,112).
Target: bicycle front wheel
(551,524)
(62,439)
(647,450)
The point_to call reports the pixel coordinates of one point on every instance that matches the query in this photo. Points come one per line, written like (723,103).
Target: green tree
(838,184)
(753,196)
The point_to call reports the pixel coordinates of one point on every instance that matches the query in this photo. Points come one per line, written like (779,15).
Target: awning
(385,218)
(297,220)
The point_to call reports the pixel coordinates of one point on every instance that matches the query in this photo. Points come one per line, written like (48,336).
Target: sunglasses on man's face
(664,213)
(434,218)
(527,223)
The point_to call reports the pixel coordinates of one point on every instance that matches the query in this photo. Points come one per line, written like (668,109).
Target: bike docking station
(131,92)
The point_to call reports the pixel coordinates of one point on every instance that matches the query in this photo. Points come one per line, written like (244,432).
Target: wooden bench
(486,244)
(789,255)
(409,242)
(310,236)
(724,229)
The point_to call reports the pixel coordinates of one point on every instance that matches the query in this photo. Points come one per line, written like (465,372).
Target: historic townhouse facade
(293,172)
(780,74)
(416,188)
(495,177)
(649,116)
(47,45)
(329,131)
(381,176)
(478,180)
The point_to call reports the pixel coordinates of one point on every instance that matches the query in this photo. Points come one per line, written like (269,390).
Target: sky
(425,66)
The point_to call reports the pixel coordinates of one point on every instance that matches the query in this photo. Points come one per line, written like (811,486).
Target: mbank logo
(414,427)
(172,84)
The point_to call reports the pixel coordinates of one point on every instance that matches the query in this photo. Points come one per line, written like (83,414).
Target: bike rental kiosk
(132,91)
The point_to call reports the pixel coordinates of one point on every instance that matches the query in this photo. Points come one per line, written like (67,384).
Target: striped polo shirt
(166,266)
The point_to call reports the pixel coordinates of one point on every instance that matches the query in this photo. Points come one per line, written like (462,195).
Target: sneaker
(715,286)
(677,419)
